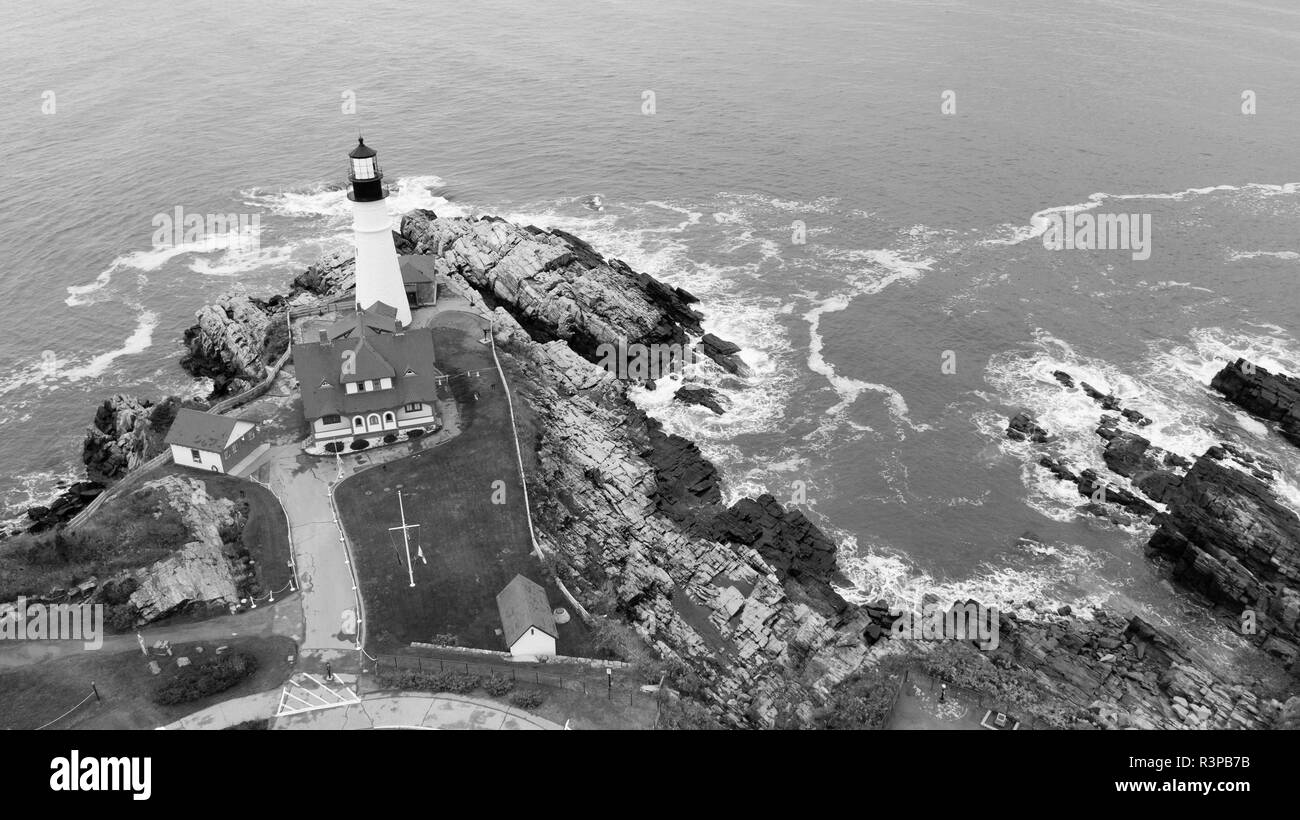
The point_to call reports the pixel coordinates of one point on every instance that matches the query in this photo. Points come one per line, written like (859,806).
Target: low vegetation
(206,678)
(460,683)
(133,531)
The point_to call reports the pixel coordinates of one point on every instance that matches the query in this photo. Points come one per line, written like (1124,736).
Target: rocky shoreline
(1218,523)
(745,598)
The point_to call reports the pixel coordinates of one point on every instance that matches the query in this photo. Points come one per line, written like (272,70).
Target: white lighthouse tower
(379,279)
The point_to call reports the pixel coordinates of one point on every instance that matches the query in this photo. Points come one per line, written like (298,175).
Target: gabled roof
(379,317)
(375,355)
(201,431)
(417,269)
(368,362)
(523,605)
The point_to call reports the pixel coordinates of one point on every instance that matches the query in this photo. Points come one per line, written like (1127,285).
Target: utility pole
(406,541)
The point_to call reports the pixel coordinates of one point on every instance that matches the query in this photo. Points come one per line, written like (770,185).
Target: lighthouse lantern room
(379,278)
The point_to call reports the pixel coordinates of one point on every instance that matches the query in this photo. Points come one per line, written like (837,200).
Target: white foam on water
(140,340)
(235,262)
(331,199)
(1237,256)
(32,490)
(1045,576)
(883,268)
(1040,221)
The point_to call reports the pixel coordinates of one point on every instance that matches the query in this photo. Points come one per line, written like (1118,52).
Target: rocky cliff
(556,286)
(229,340)
(126,432)
(202,573)
(1271,396)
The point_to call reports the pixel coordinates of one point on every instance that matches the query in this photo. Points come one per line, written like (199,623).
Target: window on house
(370,384)
(358,423)
(385,383)
(329,420)
(413,408)
(196,455)
(351,387)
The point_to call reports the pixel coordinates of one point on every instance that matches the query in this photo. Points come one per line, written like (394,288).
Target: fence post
(419,663)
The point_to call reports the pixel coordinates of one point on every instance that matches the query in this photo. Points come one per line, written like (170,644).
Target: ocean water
(922,229)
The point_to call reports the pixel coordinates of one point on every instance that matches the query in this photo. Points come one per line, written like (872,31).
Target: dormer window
(385,383)
(409,372)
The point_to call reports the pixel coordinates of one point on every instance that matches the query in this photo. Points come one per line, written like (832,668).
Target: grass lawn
(36,694)
(473,546)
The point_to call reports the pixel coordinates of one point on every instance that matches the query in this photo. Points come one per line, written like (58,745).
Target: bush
(498,685)
(527,700)
(276,340)
(334,447)
(120,617)
(360,444)
(207,678)
(390,438)
(414,433)
(458,683)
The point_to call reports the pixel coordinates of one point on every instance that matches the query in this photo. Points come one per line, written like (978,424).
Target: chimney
(324,337)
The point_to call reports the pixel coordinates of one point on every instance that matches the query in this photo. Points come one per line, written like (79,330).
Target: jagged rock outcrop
(328,276)
(556,286)
(703,396)
(66,505)
(1115,672)
(1231,539)
(203,572)
(725,353)
(1271,396)
(1022,426)
(1224,529)
(228,342)
(126,432)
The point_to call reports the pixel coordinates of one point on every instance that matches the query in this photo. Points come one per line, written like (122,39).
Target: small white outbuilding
(206,441)
(526,620)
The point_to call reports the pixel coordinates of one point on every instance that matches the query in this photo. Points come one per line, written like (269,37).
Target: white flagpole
(406,541)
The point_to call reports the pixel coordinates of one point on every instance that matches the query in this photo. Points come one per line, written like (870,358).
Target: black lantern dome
(364,174)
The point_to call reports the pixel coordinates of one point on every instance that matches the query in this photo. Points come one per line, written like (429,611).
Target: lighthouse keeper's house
(367,377)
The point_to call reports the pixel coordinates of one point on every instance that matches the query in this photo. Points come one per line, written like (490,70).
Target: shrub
(527,700)
(207,678)
(276,340)
(334,447)
(390,438)
(120,617)
(498,685)
(414,433)
(360,444)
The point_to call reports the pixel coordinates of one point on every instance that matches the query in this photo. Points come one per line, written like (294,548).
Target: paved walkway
(231,712)
(284,617)
(329,600)
(410,710)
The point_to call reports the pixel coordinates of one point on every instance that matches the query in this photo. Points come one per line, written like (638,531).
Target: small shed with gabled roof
(527,623)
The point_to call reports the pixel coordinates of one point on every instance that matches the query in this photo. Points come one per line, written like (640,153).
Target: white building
(206,441)
(379,277)
(526,620)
